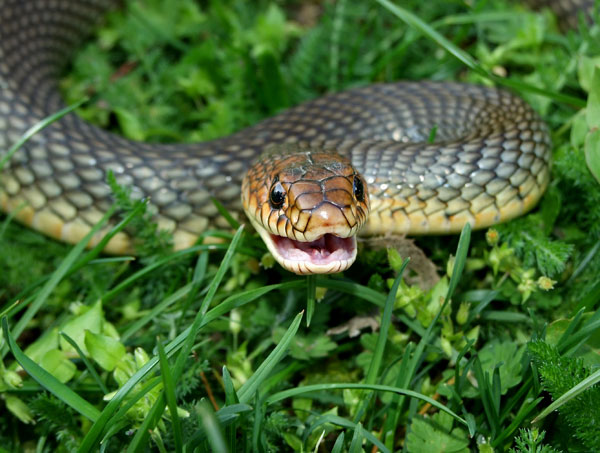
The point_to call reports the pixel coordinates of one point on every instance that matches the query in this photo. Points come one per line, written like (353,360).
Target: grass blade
(169,386)
(231,399)
(233,223)
(354,289)
(234,301)
(47,381)
(279,396)
(197,279)
(138,444)
(357,438)
(340,421)
(212,428)
(231,396)
(339,444)
(226,417)
(134,397)
(311,288)
(527,408)
(247,391)
(588,382)
(402,381)
(57,276)
(487,400)
(466,59)
(386,320)
(141,437)
(259,411)
(382,338)
(459,262)
(147,269)
(37,127)
(212,289)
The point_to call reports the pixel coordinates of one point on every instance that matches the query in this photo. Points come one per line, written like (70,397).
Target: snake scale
(489,163)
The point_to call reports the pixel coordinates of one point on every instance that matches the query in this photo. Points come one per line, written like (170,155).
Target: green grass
(222,351)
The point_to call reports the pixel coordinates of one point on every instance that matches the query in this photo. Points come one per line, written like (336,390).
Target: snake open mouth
(327,254)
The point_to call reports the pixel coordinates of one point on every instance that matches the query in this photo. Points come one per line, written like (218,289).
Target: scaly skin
(490,161)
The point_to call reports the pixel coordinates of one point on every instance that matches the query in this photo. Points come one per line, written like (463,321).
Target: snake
(310,179)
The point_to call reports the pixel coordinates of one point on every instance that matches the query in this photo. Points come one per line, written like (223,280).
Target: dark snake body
(490,161)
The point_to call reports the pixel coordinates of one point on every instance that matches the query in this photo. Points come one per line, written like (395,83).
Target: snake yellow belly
(489,161)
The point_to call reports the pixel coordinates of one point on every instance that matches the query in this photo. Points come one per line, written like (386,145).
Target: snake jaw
(326,255)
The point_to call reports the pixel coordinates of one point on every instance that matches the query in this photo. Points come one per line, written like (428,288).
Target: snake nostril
(277,195)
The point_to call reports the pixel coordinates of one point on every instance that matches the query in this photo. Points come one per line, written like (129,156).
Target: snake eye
(359,189)
(277,196)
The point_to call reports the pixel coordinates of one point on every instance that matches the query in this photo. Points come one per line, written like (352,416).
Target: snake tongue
(325,255)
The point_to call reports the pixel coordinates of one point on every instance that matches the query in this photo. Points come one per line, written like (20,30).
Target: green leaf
(16,405)
(87,362)
(579,129)
(593,102)
(106,351)
(394,259)
(293,441)
(592,152)
(49,341)
(59,274)
(58,365)
(585,70)
(436,435)
(130,124)
(48,381)
(509,355)
(90,319)
(551,256)
(305,347)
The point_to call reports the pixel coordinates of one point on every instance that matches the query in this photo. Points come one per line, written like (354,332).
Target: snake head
(307,205)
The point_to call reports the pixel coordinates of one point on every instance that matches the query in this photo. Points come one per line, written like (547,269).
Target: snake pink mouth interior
(327,249)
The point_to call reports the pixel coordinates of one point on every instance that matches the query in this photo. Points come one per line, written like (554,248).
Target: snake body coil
(489,163)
